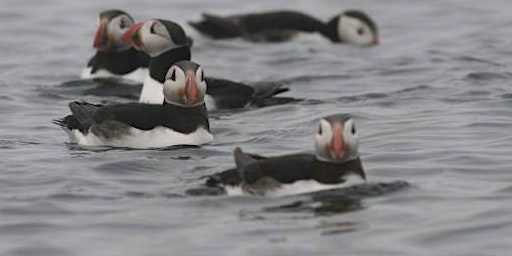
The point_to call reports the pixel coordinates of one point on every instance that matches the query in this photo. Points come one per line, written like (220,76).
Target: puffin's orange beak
(191,88)
(101,38)
(338,141)
(376,40)
(131,36)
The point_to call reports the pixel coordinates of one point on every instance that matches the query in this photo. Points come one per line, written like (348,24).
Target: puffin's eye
(152,29)
(202,76)
(122,24)
(353,129)
(360,31)
(320,130)
(173,75)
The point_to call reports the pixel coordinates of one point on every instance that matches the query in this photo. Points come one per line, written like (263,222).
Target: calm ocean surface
(433,105)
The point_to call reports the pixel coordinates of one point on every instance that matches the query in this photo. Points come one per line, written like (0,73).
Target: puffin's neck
(187,118)
(159,65)
(117,62)
(330,30)
(329,171)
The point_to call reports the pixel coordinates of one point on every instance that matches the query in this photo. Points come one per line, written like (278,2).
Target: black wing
(137,115)
(285,169)
(281,20)
(231,176)
(217,27)
(229,94)
(81,118)
(149,116)
(245,25)
(84,115)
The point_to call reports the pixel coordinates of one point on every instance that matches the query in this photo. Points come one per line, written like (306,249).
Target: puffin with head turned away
(352,26)
(166,43)
(114,57)
(180,119)
(336,164)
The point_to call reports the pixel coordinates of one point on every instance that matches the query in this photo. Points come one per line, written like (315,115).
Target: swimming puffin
(336,164)
(180,119)
(114,57)
(166,42)
(352,26)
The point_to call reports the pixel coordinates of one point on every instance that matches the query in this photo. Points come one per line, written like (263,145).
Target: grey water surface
(432,102)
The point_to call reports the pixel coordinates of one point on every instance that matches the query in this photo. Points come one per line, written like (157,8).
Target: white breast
(138,75)
(152,92)
(158,137)
(233,190)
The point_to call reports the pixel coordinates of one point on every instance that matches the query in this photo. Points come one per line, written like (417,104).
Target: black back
(228,94)
(291,168)
(280,20)
(148,116)
(137,115)
(269,26)
(229,177)
(118,62)
(218,27)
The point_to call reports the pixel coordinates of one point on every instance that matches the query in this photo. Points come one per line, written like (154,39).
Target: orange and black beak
(132,37)
(191,88)
(338,142)
(102,38)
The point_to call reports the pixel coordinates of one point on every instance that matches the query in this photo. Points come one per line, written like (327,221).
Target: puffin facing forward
(115,58)
(166,43)
(336,164)
(181,118)
(352,26)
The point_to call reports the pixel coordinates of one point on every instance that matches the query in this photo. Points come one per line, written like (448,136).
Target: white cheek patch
(347,133)
(326,135)
(115,26)
(323,139)
(172,88)
(201,84)
(348,31)
(160,29)
(158,42)
(351,138)
(114,29)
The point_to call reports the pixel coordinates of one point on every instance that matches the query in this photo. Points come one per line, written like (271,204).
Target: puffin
(114,58)
(336,164)
(166,43)
(352,26)
(180,119)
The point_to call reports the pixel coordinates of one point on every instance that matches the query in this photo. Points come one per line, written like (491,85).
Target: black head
(113,13)
(111,26)
(156,36)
